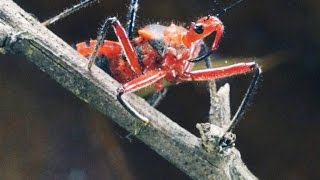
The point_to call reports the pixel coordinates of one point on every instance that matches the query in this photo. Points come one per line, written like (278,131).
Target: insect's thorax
(160,47)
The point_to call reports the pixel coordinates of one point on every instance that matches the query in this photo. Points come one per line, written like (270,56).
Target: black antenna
(222,10)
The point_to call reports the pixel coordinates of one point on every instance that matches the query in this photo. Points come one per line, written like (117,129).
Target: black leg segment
(100,38)
(131,18)
(246,99)
(69,11)
(201,57)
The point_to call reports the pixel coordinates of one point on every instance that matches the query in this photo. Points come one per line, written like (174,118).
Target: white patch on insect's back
(173,35)
(156,30)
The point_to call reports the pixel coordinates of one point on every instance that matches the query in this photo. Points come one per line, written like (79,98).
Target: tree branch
(22,35)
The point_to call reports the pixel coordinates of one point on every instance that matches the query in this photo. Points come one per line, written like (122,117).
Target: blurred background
(47,133)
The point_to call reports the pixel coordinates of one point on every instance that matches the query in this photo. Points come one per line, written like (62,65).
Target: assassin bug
(161,53)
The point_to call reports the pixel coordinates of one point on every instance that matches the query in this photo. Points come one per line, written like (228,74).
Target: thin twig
(22,35)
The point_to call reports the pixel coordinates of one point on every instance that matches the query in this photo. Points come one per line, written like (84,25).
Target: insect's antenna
(232,5)
(221,11)
(69,11)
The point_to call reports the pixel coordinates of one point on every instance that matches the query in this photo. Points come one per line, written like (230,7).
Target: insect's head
(202,28)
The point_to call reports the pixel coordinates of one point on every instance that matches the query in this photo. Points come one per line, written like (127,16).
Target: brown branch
(22,35)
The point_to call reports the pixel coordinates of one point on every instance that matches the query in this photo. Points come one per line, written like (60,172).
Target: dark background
(47,133)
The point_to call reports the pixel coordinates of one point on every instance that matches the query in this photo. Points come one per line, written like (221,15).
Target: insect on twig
(161,53)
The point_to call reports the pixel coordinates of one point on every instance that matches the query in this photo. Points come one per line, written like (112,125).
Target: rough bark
(22,35)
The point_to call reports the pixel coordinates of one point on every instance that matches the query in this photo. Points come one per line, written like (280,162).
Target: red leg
(215,73)
(127,47)
(142,81)
(123,40)
(136,84)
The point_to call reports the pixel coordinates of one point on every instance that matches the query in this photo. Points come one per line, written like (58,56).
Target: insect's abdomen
(109,48)
(109,59)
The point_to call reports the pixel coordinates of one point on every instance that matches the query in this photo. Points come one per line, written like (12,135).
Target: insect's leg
(156,97)
(202,57)
(213,73)
(69,11)
(131,18)
(228,138)
(204,48)
(245,101)
(220,72)
(142,81)
(124,41)
(161,92)
(136,84)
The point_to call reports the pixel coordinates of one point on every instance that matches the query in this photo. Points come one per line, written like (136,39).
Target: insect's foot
(129,137)
(129,107)
(139,128)
(14,37)
(227,141)
(214,139)
(120,91)
(90,64)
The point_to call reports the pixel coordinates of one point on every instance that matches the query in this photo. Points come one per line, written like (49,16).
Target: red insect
(161,53)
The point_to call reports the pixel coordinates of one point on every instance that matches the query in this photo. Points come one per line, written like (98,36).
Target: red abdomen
(110,59)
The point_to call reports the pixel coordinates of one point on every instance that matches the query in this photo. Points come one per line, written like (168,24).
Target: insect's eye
(198,28)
